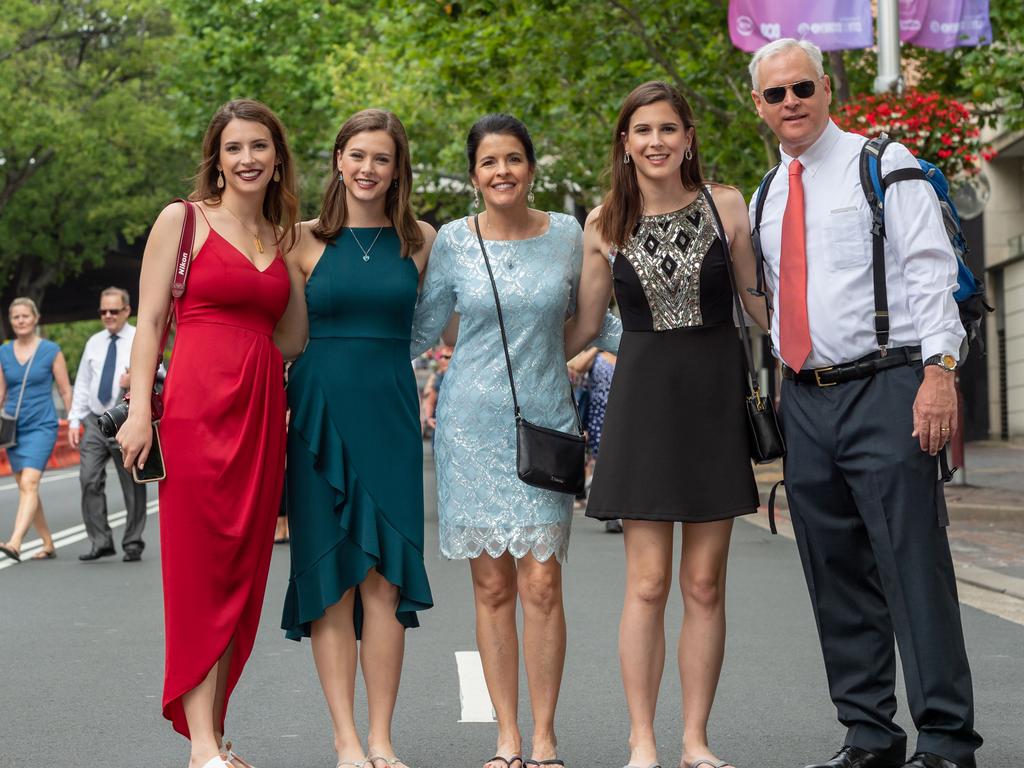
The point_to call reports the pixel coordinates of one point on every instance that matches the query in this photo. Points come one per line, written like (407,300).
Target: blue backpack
(970,292)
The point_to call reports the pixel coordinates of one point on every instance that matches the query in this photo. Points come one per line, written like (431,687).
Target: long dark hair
(334,209)
(503,124)
(623,205)
(281,201)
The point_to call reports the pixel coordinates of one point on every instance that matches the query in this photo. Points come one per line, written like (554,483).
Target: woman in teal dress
(355,456)
(29,366)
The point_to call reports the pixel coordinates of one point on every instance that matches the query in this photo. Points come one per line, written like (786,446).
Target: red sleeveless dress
(223,435)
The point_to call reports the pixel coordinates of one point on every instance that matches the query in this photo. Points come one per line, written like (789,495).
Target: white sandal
(216,762)
(233,759)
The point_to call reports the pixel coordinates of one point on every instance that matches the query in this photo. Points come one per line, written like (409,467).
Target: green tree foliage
(71,338)
(87,151)
(108,99)
(564,67)
(313,63)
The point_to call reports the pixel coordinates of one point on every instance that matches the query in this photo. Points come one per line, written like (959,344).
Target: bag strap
(186,241)
(24,379)
(871,182)
(504,337)
(744,333)
(762,195)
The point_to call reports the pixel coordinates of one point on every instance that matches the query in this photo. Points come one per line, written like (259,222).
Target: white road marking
(476,703)
(48,478)
(71,535)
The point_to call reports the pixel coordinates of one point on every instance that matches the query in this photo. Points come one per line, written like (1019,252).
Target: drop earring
(529,195)
(220,179)
(688,154)
(341,176)
(476,198)
(625,159)
(277,173)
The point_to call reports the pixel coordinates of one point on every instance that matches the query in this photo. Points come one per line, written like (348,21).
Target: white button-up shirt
(85,401)
(920,267)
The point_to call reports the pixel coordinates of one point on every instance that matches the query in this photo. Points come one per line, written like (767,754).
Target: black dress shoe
(97,553)
(855,757)
(132,556)
(928,760)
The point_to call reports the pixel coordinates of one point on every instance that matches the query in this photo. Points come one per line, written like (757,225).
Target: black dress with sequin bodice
(671,274)
(675,444)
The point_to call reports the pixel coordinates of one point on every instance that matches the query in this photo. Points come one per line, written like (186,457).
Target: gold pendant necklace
(255,235)
(366,251)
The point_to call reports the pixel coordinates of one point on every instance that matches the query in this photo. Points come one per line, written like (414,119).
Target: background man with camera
(101,380)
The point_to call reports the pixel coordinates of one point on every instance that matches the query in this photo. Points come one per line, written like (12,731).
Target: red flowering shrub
(929,125)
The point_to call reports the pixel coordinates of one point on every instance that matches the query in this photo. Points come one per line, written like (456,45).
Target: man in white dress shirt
(99,384)
(864,422)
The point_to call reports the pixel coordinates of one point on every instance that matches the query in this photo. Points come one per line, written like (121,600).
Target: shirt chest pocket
(849,231)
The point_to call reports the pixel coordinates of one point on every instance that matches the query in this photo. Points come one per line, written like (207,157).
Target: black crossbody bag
(766,443)
(545,458)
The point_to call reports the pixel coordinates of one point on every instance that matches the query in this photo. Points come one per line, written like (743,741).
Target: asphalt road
(81,664)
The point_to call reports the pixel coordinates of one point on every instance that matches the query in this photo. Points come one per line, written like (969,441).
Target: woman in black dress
(675,445)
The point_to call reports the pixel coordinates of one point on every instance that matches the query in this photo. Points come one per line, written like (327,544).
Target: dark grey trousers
(869,518)
(96,451)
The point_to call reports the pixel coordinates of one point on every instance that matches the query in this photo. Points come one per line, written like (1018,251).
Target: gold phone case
(158,472)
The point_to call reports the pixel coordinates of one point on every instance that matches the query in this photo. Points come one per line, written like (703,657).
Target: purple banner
(944,24)
(833,25)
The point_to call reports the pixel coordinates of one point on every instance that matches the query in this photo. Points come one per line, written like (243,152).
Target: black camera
(111,421)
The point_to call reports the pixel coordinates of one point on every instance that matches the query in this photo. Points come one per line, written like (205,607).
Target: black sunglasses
(802,90)
(111,311)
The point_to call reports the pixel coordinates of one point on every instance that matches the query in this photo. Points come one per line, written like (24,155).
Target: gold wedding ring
(943,429)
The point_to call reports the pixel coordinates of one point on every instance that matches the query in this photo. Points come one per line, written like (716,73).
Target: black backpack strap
(903,174)
(870,174)
(771,507)
(762,193)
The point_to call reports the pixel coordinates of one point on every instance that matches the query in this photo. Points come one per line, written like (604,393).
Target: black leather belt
(866,366)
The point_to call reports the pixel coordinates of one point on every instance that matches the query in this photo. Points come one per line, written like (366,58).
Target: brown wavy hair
(281,201)
(334,209)
(623,205)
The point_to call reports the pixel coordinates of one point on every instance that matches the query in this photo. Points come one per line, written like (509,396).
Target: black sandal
(506,760)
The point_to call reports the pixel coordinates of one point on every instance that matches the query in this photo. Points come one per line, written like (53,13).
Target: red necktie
(794,332)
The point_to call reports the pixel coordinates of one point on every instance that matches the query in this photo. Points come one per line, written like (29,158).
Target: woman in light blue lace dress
(515,536)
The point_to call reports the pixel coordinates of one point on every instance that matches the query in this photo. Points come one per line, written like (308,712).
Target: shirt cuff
(74,423)
(942,344)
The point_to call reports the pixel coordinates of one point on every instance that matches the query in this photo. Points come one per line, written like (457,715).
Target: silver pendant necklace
(366,251)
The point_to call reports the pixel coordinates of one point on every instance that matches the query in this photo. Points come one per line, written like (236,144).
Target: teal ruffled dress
(355,453)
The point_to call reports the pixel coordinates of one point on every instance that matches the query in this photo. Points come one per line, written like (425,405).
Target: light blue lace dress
(482,505)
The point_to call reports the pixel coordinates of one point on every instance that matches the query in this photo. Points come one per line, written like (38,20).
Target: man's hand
(74,436)
(935,409)
(125,380)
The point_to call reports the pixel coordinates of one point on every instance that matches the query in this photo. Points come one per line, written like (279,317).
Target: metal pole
(889,77)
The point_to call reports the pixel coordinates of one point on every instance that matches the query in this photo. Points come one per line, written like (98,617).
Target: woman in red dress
(223,427)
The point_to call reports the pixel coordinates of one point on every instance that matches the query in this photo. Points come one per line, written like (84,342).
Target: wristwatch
(945,361)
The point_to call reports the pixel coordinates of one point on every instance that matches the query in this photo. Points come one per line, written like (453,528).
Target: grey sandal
(708,762)
(390,762)
(552,761)
(652,765)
